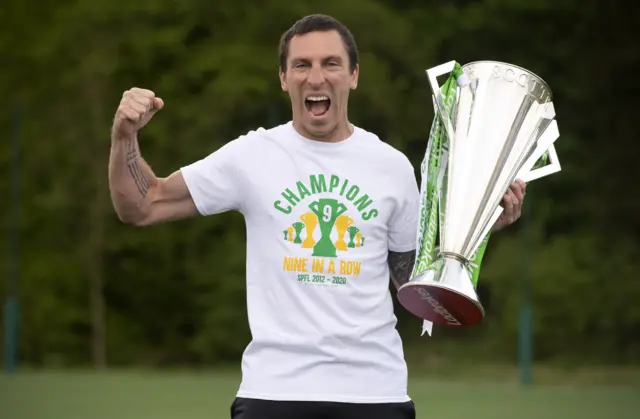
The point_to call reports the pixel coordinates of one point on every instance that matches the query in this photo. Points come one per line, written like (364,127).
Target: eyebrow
(306,60)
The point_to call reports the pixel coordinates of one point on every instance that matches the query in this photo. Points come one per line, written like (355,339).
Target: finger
(142,96)
(508,206)
(517,208)
(157,104)
(518,191)
(140,107)
(146,102)
(129,99)
(131,115)
(516,201)
(143,92)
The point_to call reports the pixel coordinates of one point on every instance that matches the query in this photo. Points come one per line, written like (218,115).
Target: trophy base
(443,306)
(443,296)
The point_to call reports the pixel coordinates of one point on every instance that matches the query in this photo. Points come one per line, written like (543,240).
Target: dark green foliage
(175,293)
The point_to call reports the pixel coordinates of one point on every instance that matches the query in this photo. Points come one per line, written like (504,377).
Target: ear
(283,79)
(354,77)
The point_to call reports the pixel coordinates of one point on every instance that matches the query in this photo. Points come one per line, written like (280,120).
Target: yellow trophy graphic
(290,235)
(358,239)
(310,221)
(342,223)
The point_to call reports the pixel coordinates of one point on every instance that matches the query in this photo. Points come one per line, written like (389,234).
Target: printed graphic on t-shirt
(329,228)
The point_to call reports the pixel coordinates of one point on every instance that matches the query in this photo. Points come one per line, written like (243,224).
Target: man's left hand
(512,204)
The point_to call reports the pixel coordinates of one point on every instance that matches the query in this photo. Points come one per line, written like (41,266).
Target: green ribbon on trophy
(432,172)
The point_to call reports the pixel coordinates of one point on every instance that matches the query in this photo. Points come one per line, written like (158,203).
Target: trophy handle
(545,143)
(314,206)
(432,75)
(340,209)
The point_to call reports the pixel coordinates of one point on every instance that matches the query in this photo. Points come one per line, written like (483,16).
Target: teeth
(317,98)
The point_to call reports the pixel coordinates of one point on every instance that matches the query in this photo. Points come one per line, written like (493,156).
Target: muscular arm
(138,196)
(400,266)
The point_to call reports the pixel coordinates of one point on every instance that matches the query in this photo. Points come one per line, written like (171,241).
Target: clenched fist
(136,108)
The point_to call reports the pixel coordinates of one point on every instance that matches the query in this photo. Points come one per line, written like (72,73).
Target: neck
(341,132)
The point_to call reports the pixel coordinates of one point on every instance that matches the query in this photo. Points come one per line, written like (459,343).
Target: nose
(316,76)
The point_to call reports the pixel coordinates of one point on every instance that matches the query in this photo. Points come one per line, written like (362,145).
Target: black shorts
(265,409)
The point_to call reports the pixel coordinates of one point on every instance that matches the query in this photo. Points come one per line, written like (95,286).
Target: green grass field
(142,395)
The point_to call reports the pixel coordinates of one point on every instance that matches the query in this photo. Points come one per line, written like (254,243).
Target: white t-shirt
(320,219)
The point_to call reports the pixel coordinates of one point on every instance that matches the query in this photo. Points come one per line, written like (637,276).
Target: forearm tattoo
(133,163)
(401,266)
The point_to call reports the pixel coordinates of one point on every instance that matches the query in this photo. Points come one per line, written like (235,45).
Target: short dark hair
(318,22)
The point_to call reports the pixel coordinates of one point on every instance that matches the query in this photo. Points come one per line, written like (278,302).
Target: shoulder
(262,136)
(255,141)
(389,157)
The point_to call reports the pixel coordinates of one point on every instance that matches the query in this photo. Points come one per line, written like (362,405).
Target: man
(331,212)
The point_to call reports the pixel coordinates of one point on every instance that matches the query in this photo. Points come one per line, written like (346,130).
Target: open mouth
(317,105)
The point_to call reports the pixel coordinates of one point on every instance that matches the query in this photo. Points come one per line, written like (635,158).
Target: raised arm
(138,196)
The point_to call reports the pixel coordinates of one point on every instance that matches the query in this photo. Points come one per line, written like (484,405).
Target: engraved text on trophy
(534,86)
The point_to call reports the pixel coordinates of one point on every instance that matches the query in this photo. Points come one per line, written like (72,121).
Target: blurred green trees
(95,291)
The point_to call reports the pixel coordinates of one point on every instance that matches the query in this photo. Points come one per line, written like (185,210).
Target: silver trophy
(498,122)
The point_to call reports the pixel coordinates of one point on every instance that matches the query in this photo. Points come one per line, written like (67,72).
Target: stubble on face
(318,79)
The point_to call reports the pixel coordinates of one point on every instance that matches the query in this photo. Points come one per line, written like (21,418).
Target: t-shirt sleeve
(404,222)
(214,181)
